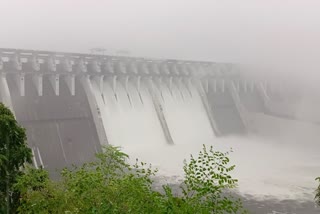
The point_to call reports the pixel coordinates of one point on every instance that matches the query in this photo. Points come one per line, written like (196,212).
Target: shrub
(207,181)
(111,185)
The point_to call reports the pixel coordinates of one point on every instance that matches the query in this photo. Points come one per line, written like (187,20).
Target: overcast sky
(217,30)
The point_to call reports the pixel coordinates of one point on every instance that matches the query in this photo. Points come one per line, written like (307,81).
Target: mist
(243,31)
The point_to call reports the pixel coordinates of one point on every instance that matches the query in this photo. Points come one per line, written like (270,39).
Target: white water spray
(265,167)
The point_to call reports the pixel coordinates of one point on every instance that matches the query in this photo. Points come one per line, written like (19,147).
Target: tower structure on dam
(65,100)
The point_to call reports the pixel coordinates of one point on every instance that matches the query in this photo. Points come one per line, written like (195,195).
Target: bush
(207,180)
(111,185)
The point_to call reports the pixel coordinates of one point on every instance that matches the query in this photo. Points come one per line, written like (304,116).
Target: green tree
(14,153)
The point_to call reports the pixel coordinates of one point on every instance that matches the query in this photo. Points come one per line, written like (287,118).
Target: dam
(72,104)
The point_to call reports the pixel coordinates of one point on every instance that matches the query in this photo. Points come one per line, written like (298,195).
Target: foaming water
(266,167)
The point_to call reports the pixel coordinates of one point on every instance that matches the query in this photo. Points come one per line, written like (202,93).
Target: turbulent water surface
(276,167)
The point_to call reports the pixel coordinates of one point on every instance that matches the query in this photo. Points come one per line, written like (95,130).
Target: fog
(273,40)
(236,31)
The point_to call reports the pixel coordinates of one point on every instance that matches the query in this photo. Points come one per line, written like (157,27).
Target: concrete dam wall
(71,104)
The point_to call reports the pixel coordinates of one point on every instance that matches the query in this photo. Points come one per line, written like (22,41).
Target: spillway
(129,115)
(185,114)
